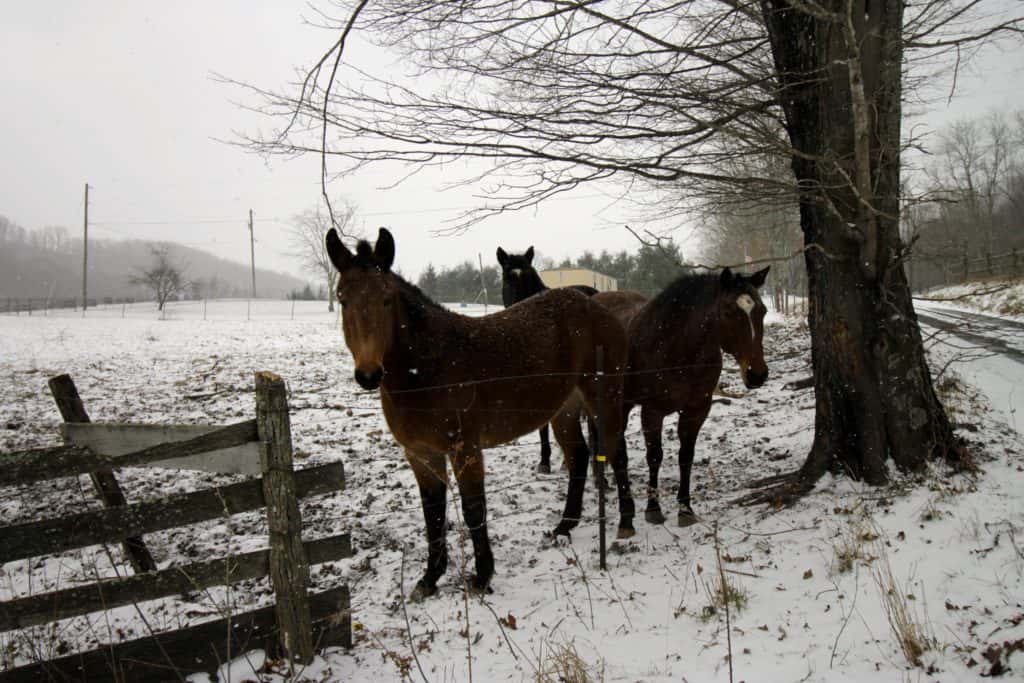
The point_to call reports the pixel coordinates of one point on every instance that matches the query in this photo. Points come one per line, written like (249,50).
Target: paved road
(992,351)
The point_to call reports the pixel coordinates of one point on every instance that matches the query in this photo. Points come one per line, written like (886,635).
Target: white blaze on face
(516,271)
(746,304)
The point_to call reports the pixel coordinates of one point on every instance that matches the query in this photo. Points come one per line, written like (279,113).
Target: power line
(397,212)
(190,221)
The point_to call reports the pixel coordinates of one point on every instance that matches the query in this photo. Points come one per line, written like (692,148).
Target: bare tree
(307,231)
(542,97)
(973,197)
(164,278)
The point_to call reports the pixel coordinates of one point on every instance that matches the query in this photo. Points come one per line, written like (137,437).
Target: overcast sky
(119,94)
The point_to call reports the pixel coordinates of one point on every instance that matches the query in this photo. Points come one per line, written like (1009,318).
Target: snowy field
(813,588)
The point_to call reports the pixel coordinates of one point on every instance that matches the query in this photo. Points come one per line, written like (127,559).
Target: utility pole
(252,255)
(85,251)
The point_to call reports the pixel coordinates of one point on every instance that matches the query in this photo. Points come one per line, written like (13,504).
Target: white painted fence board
(114,439)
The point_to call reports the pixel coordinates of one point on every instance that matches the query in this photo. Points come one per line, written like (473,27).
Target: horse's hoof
(552,540)
(625,532)
(686,518)
(478,586)
(559,536)
(544,468)
(654,516)
(562,529)
(421,592)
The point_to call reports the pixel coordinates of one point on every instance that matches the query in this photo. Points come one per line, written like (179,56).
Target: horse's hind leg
(468,465)
(690,422)
(569,436)
(652,420)
(592,446)
(612,441)
(429,469)
(544,467)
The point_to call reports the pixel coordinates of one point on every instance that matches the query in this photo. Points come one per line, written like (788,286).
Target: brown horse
(452,385)
(676,342)
(520,280)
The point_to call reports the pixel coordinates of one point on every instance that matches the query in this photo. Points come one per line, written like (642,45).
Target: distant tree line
(963,215)
(647,270)
(45,265)
(307,293)
(967,215)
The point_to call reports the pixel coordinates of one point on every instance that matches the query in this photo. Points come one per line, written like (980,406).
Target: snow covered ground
(811,586)
(972,324)
(1003,298)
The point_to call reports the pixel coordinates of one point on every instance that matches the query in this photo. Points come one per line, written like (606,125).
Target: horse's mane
(416,301)
(690,291)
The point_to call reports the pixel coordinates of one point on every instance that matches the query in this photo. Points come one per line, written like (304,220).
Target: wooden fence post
(289,566)
(69,403)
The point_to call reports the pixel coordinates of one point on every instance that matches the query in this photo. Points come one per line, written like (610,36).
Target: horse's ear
(758,278)
(384,250)
(727,278)
(339,254)
(529,254)
(502,257)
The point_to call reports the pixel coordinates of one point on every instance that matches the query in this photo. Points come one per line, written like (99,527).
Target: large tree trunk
(873,388)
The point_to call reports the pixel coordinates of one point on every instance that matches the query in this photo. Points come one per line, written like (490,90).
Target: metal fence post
(601,458)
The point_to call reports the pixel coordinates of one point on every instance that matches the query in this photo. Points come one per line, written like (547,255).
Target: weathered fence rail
(296,625)
(930,270)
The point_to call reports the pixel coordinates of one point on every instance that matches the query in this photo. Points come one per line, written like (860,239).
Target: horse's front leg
(429,469)
(569,436)
(651,421)
(690,422)
(468,466)
(544,466)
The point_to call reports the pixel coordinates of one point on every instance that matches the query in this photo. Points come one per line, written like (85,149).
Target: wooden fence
(295,626)
(937,269)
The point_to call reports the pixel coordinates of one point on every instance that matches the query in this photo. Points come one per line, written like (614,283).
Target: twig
(725,598)
(586,584)
(405,613)
(847,615)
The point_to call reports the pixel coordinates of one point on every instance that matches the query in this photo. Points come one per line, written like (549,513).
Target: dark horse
(676,342)
(452,385)
(520,280)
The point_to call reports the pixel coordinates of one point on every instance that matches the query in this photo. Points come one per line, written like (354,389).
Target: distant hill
(47,264)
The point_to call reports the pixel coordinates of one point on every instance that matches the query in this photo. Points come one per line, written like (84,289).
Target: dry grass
(853,543)
(909,629)
(723,592)
(950,391)
(562,663)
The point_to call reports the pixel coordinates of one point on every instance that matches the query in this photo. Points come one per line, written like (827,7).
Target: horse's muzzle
(753,379)
(371,380)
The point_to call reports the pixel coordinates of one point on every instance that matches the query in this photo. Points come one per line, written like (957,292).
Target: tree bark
(873,388)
